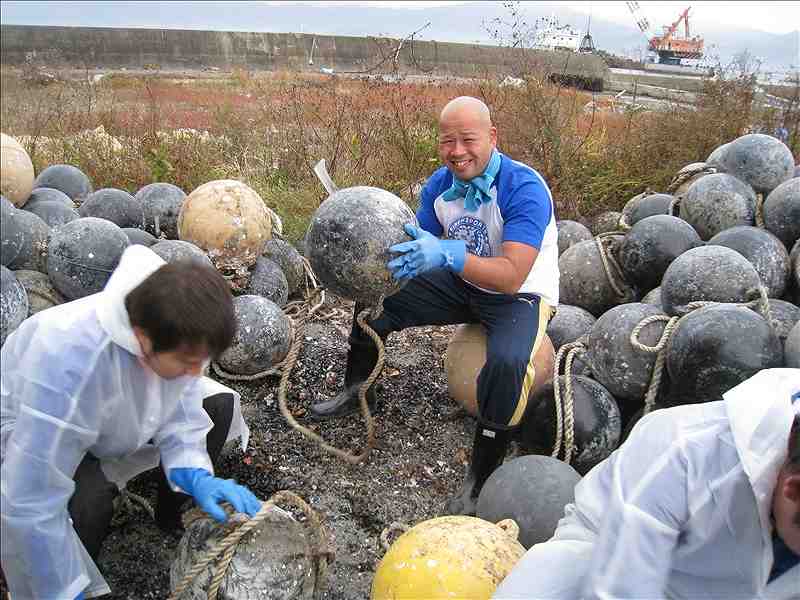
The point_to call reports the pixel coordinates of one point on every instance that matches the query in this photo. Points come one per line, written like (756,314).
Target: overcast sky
(775,17)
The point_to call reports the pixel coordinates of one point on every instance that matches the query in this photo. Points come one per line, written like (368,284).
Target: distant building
(551,35)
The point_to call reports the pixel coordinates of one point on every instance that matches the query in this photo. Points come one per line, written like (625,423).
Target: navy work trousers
(515,325)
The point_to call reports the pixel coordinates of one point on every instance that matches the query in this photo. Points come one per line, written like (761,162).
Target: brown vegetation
(269,129)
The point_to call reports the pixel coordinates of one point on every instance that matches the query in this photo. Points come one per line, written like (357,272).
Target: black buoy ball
(139,236)
(268,281)
(263,336)
(161,203)
(65,178)
(717,202)
(177,250)
(117,206)
(570,233)
(53,213)
(33,250)
(289,260)
(714,348)
(792,348)
(761,161)
(568,324)
(533,490)
(82,255)
(782,212)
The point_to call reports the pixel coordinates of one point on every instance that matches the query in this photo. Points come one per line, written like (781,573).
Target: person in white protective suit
(95,391)
(701,501)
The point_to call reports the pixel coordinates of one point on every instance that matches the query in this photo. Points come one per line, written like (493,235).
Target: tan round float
(227,219)
(466,355)
(16,171)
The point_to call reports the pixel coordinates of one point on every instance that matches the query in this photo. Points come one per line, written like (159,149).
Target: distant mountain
(466,23)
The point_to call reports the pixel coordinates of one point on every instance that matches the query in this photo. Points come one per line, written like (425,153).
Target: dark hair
(793,459)
(184,303)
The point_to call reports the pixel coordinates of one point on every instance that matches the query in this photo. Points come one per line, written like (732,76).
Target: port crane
(670,46)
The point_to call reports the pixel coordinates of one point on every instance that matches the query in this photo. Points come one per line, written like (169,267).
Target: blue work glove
(426,252)
(80,596)
(208,491)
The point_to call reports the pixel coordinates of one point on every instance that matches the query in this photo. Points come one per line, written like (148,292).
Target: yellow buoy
(227,219)
(449,557)
(466,355)
(16,171)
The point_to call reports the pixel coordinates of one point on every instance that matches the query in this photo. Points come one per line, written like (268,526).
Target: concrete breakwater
(115,48)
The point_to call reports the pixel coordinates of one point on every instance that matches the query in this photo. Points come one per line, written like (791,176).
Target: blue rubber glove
(80,596)
(426,252)
(208,491)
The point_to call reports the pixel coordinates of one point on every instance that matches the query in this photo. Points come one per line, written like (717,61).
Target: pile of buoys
(676,299)
(60,239)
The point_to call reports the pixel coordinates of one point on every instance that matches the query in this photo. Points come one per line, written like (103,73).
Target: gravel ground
(419,460)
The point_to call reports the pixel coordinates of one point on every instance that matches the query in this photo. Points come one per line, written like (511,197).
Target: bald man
(485,251)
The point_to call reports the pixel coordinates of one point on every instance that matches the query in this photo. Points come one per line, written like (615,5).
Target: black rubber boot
(488,452)
(361,359)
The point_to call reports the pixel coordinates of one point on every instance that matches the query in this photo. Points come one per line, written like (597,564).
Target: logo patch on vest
(474,232)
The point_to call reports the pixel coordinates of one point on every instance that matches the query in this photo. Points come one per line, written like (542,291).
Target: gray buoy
(605,222)
(792,348)
(761,161)
(765,252)
(711,273)
(12,235)
(53,213)
(717,158)
(348,240)
(784,316)
(570,233)
(653,297)
(289,260)
(583,281)
(569,323)
(139,236)
(48,195)
(648,206)
(65,178)
(533,490)
(176,250)
(263,336)
(622,369)
(161,203)
(782,212)
(82,255)
(41,293)
(793,287)
(117,206)
(714,348)
(597,422)
(32,252)
(268,281)
(13,303)
(717,202)
(650,247)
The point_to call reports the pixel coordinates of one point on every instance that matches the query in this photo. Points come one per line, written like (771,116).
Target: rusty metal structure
(670,46)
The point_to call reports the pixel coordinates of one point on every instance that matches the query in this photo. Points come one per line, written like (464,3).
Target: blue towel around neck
(475,191)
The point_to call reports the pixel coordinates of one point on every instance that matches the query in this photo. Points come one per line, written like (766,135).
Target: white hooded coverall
(680,510)
(71,383)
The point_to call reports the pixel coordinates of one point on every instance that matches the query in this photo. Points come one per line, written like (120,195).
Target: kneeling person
(95,391)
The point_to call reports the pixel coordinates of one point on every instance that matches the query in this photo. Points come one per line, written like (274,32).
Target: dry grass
(269,129)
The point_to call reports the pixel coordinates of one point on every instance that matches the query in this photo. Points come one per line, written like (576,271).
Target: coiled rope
(614,274)
(565,416)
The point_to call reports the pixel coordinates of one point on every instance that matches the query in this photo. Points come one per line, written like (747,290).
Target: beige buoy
(16,171)
(466,355)
(227,219)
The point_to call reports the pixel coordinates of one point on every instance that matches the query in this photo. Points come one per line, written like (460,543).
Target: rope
(685,175)
(565,424)
(674,206)
(614,274)
(289,363)
(760,303)
(389,530)
(128,498)
(758,300)
(45,296)
(658,349)
(759,216)
(223,550)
